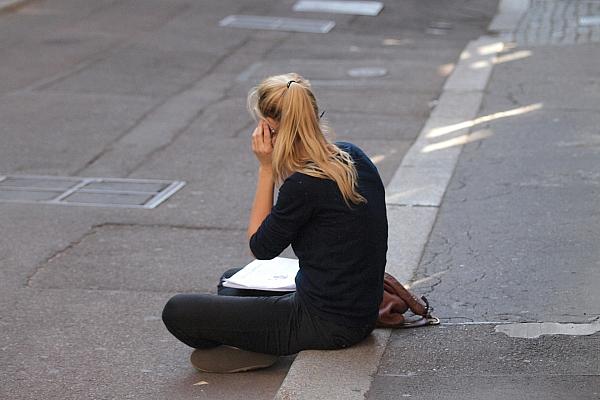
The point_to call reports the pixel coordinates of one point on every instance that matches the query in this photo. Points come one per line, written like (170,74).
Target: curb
(506,21)
(7,6)
(335,374)
(414,196)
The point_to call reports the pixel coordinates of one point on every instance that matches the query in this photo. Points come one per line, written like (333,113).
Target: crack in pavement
(41,266)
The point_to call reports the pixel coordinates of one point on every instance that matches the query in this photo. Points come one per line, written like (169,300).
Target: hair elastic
(290,82)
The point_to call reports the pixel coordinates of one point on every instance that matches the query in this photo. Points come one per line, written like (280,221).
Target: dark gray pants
(260,321)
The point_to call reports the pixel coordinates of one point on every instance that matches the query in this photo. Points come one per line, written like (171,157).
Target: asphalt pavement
(156,90)
(513,254)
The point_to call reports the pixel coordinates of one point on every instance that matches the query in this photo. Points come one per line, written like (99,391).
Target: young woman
(331,209)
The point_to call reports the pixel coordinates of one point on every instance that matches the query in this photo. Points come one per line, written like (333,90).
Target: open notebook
(277,274)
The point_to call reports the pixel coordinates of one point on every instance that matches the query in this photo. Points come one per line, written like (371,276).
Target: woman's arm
(262,147)
(263,199)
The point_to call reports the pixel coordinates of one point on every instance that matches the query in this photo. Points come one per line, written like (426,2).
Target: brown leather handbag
(397,300)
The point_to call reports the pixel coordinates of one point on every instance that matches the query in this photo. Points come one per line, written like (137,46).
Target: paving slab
(377,101)
(195,31)
(127,17)
(351,126)
(140,71)
(68,344)
(227,117)
(156,130)
(55,52)
(258,45)
(57,133)
(143,258)
(31,235)
(196,107)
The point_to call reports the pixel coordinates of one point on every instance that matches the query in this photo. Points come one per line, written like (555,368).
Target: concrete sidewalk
(514,248)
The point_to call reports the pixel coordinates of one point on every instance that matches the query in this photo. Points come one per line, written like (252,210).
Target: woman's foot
(226,359)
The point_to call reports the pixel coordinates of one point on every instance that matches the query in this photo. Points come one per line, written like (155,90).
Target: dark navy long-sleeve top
(341,250)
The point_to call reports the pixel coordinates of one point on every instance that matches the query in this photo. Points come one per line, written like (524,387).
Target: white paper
(278,274)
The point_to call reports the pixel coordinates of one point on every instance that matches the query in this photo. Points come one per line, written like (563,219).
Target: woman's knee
(174,309)
(229,273)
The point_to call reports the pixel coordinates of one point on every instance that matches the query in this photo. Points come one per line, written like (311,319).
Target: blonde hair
(301,144)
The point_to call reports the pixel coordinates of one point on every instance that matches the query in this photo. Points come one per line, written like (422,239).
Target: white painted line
(370,8)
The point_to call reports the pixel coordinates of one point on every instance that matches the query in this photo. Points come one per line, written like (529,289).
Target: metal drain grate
(277,24)
(98,192)
(340,7)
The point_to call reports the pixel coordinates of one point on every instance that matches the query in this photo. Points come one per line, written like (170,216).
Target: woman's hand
(262,144)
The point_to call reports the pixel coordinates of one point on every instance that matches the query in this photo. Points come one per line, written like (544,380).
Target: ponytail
(300,144)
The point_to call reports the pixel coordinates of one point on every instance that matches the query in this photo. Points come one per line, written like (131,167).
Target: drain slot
(277,23)
(370,8)
(75,191)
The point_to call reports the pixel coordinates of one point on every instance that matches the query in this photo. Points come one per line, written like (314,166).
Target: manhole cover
(371,8)
(75,191)
(277,24)
(367,72)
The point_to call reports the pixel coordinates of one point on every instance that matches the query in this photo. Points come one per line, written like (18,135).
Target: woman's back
(341,249)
